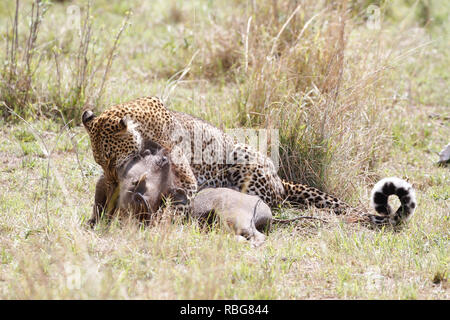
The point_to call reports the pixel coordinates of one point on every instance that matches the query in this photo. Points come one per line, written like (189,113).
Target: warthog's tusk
(141,197)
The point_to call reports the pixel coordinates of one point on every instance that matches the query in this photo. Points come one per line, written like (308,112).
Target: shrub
(74,75)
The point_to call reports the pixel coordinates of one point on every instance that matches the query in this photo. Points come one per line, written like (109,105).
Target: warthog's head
(145,180)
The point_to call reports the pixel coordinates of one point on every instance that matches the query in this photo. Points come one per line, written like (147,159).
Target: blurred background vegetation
(321,72)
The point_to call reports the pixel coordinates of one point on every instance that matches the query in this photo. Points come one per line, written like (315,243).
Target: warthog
(148,178)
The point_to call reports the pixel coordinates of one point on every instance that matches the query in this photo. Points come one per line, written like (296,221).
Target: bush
(75,76)
(296,74)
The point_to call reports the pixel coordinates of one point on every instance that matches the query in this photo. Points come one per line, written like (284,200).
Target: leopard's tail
(304,195)
(379,201)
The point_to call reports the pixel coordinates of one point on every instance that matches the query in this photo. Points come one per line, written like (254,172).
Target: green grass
(336,260)
(390,124)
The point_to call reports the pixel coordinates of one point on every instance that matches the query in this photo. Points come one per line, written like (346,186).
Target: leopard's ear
(123,123)
(126,124)
(87,117)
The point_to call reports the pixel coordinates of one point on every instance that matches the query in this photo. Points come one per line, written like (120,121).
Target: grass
(352,104)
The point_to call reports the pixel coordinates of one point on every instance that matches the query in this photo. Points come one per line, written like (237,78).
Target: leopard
(206,156)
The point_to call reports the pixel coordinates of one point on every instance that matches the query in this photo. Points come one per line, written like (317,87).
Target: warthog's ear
(87,117)
(152,146)
(179,196)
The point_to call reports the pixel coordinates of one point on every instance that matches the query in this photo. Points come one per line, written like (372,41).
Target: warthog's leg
(104,201)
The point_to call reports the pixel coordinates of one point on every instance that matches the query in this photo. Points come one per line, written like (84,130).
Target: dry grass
(352,104)
(58,74)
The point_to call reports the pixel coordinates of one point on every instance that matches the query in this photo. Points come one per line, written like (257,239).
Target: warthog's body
(244,214)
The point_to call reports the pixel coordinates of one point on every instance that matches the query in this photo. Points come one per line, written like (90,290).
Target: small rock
(444,155)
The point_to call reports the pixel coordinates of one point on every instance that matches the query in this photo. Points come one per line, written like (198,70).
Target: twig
(66,124)
(308,23)
(274,46)
(48,153)
(111,56)
(288,221)
(246,43)
(171,85)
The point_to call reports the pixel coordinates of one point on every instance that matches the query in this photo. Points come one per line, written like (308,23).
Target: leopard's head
(114,137)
